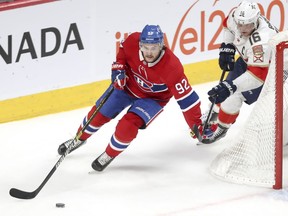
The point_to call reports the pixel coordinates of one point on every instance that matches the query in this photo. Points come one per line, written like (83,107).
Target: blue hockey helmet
(152,34)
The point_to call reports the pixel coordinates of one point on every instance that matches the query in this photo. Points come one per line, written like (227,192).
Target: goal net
(255,155)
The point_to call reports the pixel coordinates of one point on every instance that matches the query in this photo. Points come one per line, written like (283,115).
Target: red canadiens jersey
(159,80)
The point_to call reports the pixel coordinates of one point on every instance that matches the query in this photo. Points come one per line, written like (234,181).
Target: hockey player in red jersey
(248,32)
(145,76)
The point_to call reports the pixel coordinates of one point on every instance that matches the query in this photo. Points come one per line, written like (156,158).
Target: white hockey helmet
(246,13)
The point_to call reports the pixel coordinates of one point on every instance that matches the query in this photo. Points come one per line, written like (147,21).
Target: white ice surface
(162,173)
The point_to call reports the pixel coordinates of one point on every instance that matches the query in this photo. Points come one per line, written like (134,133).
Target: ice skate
(213,116)
(218,134)
(102,162)
(63,147)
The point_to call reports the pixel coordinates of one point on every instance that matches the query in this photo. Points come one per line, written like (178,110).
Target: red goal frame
(279,61)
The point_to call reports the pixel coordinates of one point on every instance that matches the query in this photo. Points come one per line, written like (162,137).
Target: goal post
(255,155)
(279,67)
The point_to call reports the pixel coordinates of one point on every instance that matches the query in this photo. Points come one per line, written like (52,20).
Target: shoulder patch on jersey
(258,53)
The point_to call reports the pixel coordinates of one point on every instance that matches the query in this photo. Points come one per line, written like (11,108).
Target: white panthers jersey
(254,50)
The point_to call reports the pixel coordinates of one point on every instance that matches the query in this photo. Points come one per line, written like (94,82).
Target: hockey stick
(213,103)
(30,195)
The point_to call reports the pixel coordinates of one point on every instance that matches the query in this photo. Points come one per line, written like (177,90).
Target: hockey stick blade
(22,194)
(30,195)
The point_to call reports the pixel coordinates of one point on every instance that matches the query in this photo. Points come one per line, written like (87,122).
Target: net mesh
(250,157)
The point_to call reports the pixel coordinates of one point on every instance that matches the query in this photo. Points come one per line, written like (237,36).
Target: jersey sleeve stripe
(188,101)
(191,106)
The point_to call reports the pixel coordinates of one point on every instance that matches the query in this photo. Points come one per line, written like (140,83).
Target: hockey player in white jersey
(248,32)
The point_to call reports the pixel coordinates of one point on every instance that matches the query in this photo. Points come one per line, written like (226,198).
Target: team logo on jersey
(148,86)
(141,79)
(258,53)
(143,84)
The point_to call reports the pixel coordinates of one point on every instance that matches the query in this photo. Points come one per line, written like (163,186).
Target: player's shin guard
(126,131)
(213,116)
(93,127)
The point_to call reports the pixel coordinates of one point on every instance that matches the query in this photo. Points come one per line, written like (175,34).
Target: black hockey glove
(226,57)
(221,92)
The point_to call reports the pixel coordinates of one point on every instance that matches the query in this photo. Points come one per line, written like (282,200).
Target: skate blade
(200,143)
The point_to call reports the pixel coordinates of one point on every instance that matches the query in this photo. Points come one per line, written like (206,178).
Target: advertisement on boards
(67,43)
(50,46)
